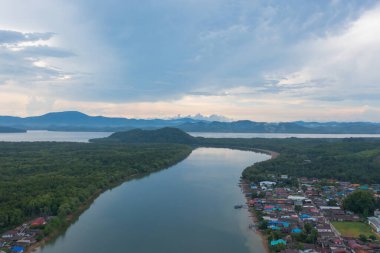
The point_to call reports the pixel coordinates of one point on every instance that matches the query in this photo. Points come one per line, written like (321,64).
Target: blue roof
(17,249)
(275,242)
(296,230)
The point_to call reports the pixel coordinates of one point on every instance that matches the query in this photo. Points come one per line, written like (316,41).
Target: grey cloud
(46,51)
(19,65)
(14,37)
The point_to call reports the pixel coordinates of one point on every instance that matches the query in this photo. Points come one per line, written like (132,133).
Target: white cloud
(344,64)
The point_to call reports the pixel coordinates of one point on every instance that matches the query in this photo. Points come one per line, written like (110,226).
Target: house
(267,184)
(296,230)
(253,186)
(9,234)
(38,222)
(329,208)
(294,198)
(375,223)
(17,249)
(284,177)
(276,242)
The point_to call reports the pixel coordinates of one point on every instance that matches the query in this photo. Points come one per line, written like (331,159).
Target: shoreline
(264,240)
(244,185)
(70,219)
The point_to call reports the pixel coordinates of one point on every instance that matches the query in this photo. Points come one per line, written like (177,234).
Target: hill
(163,135)
(11,130)
(77,121)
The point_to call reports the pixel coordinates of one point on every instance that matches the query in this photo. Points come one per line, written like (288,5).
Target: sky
(260,60)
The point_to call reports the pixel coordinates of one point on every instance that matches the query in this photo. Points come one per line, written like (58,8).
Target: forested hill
(11,130)
(163,135)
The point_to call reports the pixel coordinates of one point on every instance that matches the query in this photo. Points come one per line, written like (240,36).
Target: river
(187,208)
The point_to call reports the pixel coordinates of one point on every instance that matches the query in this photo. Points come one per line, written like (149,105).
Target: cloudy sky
(245,59)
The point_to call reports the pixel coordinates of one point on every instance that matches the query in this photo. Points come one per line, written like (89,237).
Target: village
(23,237)
(305,215)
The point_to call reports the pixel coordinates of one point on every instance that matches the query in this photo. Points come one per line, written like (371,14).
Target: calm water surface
(52,136)
(281,135)
(187,208)
(85,136)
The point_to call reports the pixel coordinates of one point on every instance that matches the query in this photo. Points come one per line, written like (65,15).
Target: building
(295,198)
(38,222)
(267,184)
(375,223)
(17,249)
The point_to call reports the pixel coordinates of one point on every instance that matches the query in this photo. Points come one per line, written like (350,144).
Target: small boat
(238,206)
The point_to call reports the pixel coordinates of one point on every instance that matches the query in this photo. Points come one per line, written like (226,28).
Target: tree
(360,202)
(363,238)
(263,225)
(308,227)
(372,237)
(298,208)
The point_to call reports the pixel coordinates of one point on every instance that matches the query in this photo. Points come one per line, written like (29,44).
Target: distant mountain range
(11,130)
(77,121)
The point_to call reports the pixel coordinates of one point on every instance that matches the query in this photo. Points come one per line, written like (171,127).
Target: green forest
(55,179)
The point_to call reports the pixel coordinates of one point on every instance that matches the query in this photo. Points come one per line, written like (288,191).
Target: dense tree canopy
(360,202)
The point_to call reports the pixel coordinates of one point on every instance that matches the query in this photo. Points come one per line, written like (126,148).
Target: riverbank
(244,185)
(70,219)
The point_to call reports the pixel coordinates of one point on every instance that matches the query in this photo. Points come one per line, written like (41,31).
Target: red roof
(38,222)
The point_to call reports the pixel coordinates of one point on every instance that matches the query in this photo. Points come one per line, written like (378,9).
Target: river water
(187,208)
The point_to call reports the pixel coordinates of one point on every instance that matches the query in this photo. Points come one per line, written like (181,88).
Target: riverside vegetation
(56,179)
